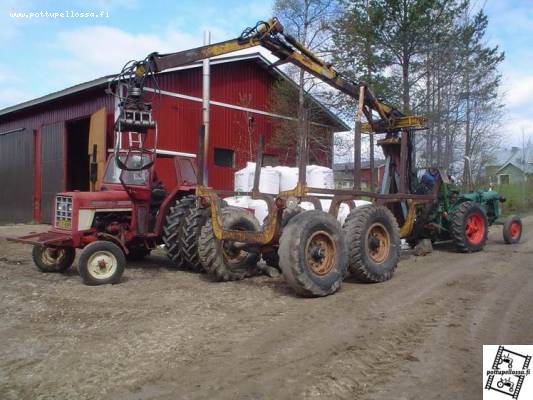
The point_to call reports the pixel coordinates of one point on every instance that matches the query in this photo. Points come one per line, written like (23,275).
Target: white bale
(244,178)
(344,209)
(320,177)
(359,203)
(288,177)
(238,201)
(260,209)
(268,179)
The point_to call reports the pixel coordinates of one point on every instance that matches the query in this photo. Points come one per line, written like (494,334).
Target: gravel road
(166,334)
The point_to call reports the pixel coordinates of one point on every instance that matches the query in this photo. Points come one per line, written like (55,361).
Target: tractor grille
(63,209)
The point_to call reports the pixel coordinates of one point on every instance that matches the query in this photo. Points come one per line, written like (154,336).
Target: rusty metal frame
(271,231)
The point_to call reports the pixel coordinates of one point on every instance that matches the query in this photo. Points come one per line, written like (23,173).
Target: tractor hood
(108,200)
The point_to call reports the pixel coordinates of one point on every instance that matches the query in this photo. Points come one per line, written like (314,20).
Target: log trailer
(312,250)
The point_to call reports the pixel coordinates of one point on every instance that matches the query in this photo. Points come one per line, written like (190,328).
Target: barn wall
(243,83)
(16,176)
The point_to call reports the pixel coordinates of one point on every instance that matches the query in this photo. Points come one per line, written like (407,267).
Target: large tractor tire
(512,230)
(172,230)
(312,254)
(373,241)
(221,259)
(190,230)
(469,227)
(53,259)
(101,263)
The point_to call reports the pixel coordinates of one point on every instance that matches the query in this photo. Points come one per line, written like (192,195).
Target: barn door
(52,167)
(97,137)
(16,176)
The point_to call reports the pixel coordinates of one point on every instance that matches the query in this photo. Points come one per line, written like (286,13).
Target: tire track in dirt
(404,311)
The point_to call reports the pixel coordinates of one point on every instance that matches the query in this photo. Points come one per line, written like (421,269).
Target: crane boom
(270,35)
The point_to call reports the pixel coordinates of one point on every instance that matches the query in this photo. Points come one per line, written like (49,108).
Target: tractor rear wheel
(312,254)
(194,219)
(101,263)
(222,259)
(172,230)
(469,227)
(512,229)
(373,240)
(53,259)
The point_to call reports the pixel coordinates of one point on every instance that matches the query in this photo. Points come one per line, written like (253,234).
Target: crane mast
(135,113)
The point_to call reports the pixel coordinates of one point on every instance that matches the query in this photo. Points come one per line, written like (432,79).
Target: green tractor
(462,217)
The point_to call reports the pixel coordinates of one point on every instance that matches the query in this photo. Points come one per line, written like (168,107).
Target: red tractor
(132,212)
(130,215)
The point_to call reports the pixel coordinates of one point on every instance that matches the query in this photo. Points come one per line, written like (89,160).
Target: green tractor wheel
(469,227)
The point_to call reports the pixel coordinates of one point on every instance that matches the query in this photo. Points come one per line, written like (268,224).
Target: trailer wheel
(312,254)
(172,230)
(222,259)
(512,229)
(53,259)
(469,227)
(373,240)
(101,262)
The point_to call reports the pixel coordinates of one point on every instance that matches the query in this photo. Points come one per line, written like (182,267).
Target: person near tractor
(429,179)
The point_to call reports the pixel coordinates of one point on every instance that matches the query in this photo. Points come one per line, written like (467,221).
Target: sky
(40,55)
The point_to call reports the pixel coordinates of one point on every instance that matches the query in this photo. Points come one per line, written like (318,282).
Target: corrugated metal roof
(341,125)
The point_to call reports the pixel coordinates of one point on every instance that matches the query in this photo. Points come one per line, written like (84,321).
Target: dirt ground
(167,334)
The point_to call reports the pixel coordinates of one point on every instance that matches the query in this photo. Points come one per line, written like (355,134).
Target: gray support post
(357,141)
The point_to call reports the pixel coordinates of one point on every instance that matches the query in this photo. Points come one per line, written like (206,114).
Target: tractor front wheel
(512,230)
(312,254)
(101,263)
(469,227)
(53,259)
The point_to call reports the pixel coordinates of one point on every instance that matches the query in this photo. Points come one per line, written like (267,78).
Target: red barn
(44,142)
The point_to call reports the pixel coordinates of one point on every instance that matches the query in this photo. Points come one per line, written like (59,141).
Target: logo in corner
(510,368)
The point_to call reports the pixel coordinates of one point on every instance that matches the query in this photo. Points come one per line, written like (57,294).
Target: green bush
(519,197)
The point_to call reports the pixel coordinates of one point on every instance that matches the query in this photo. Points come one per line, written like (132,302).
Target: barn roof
(337,123)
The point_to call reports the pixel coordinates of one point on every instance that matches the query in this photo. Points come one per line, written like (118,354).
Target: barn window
(504,179)
(224,157)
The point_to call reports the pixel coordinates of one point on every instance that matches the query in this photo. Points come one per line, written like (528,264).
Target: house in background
(513,165)
(343,174)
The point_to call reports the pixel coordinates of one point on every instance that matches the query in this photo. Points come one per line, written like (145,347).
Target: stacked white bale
(243,177)
(282,178)
(288,178)
(268,179)
(320,177)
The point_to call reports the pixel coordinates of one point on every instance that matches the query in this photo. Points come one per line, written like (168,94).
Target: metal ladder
(135,140)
